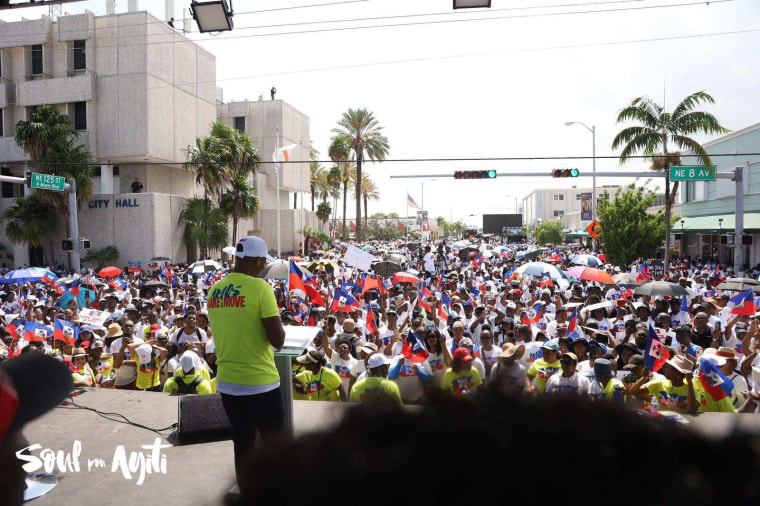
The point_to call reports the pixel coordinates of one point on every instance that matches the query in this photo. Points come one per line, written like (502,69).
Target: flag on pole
(411,203)
(118,283)
(546,280)
(573,321)
(715,383)
(743,304)
(36,332)
(532,315)
(284,154)
(371,325)
(66,331)
(655,354)
(414,349)
(295,282)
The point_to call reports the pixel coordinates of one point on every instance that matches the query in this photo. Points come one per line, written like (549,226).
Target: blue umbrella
(587,260)
(24,275)
(81,302)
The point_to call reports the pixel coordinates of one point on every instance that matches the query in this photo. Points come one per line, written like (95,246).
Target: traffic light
(565,173)
(67,245)
(28,175)
(475,174)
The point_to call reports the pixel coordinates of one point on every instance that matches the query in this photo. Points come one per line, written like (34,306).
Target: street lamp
(214,16)
(591,129)
(471,4)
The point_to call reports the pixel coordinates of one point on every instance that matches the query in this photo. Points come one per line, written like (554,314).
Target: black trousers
(247,414)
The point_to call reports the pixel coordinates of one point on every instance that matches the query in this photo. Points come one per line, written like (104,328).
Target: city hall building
(138,93)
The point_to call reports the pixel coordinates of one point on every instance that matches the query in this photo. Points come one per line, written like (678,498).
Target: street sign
(47,182)
(692,173)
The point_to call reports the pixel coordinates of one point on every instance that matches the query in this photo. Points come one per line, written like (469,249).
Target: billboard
(586,203)
(494,223)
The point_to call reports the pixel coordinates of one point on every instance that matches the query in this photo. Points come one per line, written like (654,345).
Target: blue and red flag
(16,328)
(532,315)
(343,301)
(509,273)
(655,354)
(49,278)
(546,280)
(314,296)
(743,304)
(414,349)
(643,272)
(36,332)
(684,304)
(625,291)
(371,324)
(716,384)
(75,286)
(65,331)
(295,281)
(572,324)
(118,283)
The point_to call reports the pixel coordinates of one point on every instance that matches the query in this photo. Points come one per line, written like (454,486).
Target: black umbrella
(464,253)
(161,259)
(663,288)
(386,269)
(740,285)
(626,278)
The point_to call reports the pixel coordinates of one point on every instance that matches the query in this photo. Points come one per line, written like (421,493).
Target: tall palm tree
(369,192)
(363,133)
(318,185)
(323,213)
(74,164)
(658,128)
(334,181)
(340,153)
(46,130)
(205,225)
(239,202)
(30,221)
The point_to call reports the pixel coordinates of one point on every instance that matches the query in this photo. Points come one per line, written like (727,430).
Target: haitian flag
(414,349)
(66,331)
(743,304)
(532,316)
(75,286)
(314,296)
(573,321)
(546,280)
(655,353)
(118,283)
(625,291)
(343,301)
(36,332)
(643,272)
(49,278)
(295,281)
(16,328)
(371,324)
(371,282)
(715,383)
(684,305)
(509,273)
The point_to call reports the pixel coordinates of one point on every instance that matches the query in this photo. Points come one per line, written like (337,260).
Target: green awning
(711,225)
(577,233)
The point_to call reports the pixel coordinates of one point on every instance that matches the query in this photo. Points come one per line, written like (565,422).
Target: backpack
(188,388)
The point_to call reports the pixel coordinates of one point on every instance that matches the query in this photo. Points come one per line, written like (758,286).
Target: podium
(296,341)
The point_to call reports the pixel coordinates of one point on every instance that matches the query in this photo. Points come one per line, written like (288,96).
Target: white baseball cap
(144,353)
(377,360)
(252,246)
(187,361)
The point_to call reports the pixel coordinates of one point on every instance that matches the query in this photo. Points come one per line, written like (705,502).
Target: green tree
(340,153)
(102,256)
(369,192)
(205,225)
(549,232)
(334,181)
(239,202)
(363,133)
(323,212)
(658,130)
(46,131)
(30,221)
(627,231)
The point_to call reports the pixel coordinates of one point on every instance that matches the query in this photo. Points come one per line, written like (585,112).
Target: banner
(92,317)
(356,257)
(586,203)
(133,266)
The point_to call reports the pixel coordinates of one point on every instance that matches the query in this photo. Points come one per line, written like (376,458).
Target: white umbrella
(202,266)
(538,268)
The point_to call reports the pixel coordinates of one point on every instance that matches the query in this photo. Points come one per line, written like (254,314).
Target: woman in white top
(439,356)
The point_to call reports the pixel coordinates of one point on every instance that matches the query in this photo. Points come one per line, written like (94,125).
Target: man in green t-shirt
(246,325)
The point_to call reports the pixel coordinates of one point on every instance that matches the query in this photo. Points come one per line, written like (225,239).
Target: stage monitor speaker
(202,417)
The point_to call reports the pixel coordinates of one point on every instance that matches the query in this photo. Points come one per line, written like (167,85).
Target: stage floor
(195,473)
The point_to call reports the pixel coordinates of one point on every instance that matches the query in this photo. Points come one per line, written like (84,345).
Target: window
(7,188)
(96,172)
(80,55)
(37,60)
(559,196)
(558,213)
(80,116)
(577,196)
(240,123)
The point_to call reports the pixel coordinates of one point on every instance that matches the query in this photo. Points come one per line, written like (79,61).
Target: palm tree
(30,221)
(205,225)
(363,132)
(323,213)
(239,202)
(318,185)
(369,192)
(340,153)
(334,180)
(102,256)
(45,131)
(74,164)
(657,129)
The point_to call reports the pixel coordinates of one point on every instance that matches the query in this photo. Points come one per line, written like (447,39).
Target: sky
(486,83)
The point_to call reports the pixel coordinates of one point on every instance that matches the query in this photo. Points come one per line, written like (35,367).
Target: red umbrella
(109,272)
(405,277)
(591,274)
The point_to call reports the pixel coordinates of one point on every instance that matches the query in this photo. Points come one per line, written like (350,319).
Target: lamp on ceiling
(214,16)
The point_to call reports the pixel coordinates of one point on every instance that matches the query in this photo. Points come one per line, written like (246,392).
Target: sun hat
(511,349)
(681,364)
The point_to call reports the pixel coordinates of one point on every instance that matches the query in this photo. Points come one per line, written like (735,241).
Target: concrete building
(139,93)
(561,203)
(708,208)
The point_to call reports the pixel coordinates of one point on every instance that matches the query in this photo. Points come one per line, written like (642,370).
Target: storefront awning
(711,225)
(577,233)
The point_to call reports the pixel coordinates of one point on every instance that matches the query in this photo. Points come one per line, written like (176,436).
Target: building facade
(562,204)
(138,93)
(708,208)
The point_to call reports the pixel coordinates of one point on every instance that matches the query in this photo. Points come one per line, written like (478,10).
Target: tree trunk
(312,199)
(673,193)
(295,200)
(666,259)
(345,195)
(234,230)
(365,211)
(359,154)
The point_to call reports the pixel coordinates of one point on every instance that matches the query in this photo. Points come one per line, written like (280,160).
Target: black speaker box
(202,418)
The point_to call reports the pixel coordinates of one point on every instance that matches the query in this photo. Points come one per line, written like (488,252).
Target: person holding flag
(543,368)
(677,392)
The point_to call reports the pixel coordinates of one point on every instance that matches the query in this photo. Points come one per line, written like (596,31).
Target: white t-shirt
(508,378)
(180,337)
(532,353)
(126,373)
(575,384)
(429,260)
(409,382)
(436,362)
(343,368)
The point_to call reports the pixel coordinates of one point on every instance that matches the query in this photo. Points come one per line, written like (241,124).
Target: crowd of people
(450,318)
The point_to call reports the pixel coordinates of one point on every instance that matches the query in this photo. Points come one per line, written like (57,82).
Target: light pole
(591,129)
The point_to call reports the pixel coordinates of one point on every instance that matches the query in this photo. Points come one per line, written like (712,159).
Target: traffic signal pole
(737,175)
